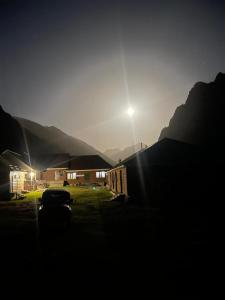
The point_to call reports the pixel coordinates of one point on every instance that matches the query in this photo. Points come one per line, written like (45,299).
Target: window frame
(99,174)
(71,175)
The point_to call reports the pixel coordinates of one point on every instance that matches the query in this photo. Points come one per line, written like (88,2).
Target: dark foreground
(111,244)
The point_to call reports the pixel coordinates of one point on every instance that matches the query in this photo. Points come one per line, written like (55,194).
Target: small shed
(17,176)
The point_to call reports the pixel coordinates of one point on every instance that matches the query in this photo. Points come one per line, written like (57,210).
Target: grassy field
(19,232)
(17,214)
(78,194)
(105,237)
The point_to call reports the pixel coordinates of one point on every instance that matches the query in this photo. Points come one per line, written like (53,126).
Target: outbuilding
(157,171)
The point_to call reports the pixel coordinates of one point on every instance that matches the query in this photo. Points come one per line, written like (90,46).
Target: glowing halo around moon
(130,111)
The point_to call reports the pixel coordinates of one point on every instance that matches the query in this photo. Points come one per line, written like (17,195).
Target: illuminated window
(71,175)
(100,174)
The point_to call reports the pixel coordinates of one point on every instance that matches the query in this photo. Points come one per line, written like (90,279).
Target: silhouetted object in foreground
(54,210)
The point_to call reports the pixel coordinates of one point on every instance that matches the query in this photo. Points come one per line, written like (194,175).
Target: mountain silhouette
(24,136)
(118,154)
(11,133)
(201,120)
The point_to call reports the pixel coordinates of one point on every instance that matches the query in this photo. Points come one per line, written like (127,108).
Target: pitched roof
(87,162)
(14,161)
(165,152)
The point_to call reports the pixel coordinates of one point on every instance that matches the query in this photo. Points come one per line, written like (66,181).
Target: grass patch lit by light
(79,194)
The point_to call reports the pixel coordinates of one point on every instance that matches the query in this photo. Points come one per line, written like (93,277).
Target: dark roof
(165,152)
(88,162)
(14,161)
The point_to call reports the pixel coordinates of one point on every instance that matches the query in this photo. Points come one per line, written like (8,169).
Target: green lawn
(80,195)
(104,237)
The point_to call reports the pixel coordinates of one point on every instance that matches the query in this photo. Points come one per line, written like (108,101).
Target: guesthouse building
(80,170)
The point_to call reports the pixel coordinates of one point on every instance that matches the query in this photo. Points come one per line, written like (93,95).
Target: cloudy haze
(78,65)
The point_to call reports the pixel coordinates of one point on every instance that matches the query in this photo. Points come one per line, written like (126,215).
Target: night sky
(78,65)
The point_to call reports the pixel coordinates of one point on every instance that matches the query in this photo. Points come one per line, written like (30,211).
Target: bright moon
(130,111)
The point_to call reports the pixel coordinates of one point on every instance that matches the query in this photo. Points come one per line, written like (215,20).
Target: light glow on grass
(79,194)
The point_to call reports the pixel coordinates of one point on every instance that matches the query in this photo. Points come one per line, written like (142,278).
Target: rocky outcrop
(201,120)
